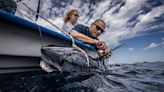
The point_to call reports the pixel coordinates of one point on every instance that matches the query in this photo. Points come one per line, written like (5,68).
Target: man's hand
(104,53)
(108,54)
(101,45)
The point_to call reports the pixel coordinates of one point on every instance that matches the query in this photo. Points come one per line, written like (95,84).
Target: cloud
(131,49)
(152,45)
(121,28)
(148,18)
(125,19)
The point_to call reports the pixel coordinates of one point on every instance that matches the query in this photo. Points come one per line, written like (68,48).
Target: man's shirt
(83,29)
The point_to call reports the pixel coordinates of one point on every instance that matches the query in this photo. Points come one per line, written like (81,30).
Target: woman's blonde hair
(68,14)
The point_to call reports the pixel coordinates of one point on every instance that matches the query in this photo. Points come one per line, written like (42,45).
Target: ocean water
(138,77)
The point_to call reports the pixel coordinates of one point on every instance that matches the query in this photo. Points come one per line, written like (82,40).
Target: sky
(137,24)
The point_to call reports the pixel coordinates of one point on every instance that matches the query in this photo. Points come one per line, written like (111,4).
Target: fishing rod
(115,48)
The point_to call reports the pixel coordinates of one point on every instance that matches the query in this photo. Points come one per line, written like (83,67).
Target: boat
(21,42)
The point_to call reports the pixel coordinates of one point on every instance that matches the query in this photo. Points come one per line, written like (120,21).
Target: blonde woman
(70,20)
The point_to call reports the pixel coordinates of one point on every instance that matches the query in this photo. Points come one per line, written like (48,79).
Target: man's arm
(101,45)
(79,36)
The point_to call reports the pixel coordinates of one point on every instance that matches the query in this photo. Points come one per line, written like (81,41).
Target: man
(89,35)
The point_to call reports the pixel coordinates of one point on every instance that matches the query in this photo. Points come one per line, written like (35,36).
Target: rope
(73,42)
(40,33)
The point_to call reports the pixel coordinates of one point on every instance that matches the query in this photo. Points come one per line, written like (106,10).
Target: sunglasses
(99,28)
(76,15)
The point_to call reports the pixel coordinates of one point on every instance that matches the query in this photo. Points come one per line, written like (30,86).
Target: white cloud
(152,45)
(118,22)
(131,49)
(100,9)
(76,4)
(156,12)
(118,30)
(130,8)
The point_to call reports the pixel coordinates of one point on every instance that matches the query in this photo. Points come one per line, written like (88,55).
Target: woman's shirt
(68,26)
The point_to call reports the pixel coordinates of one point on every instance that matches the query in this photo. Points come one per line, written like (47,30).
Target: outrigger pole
(36,18)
